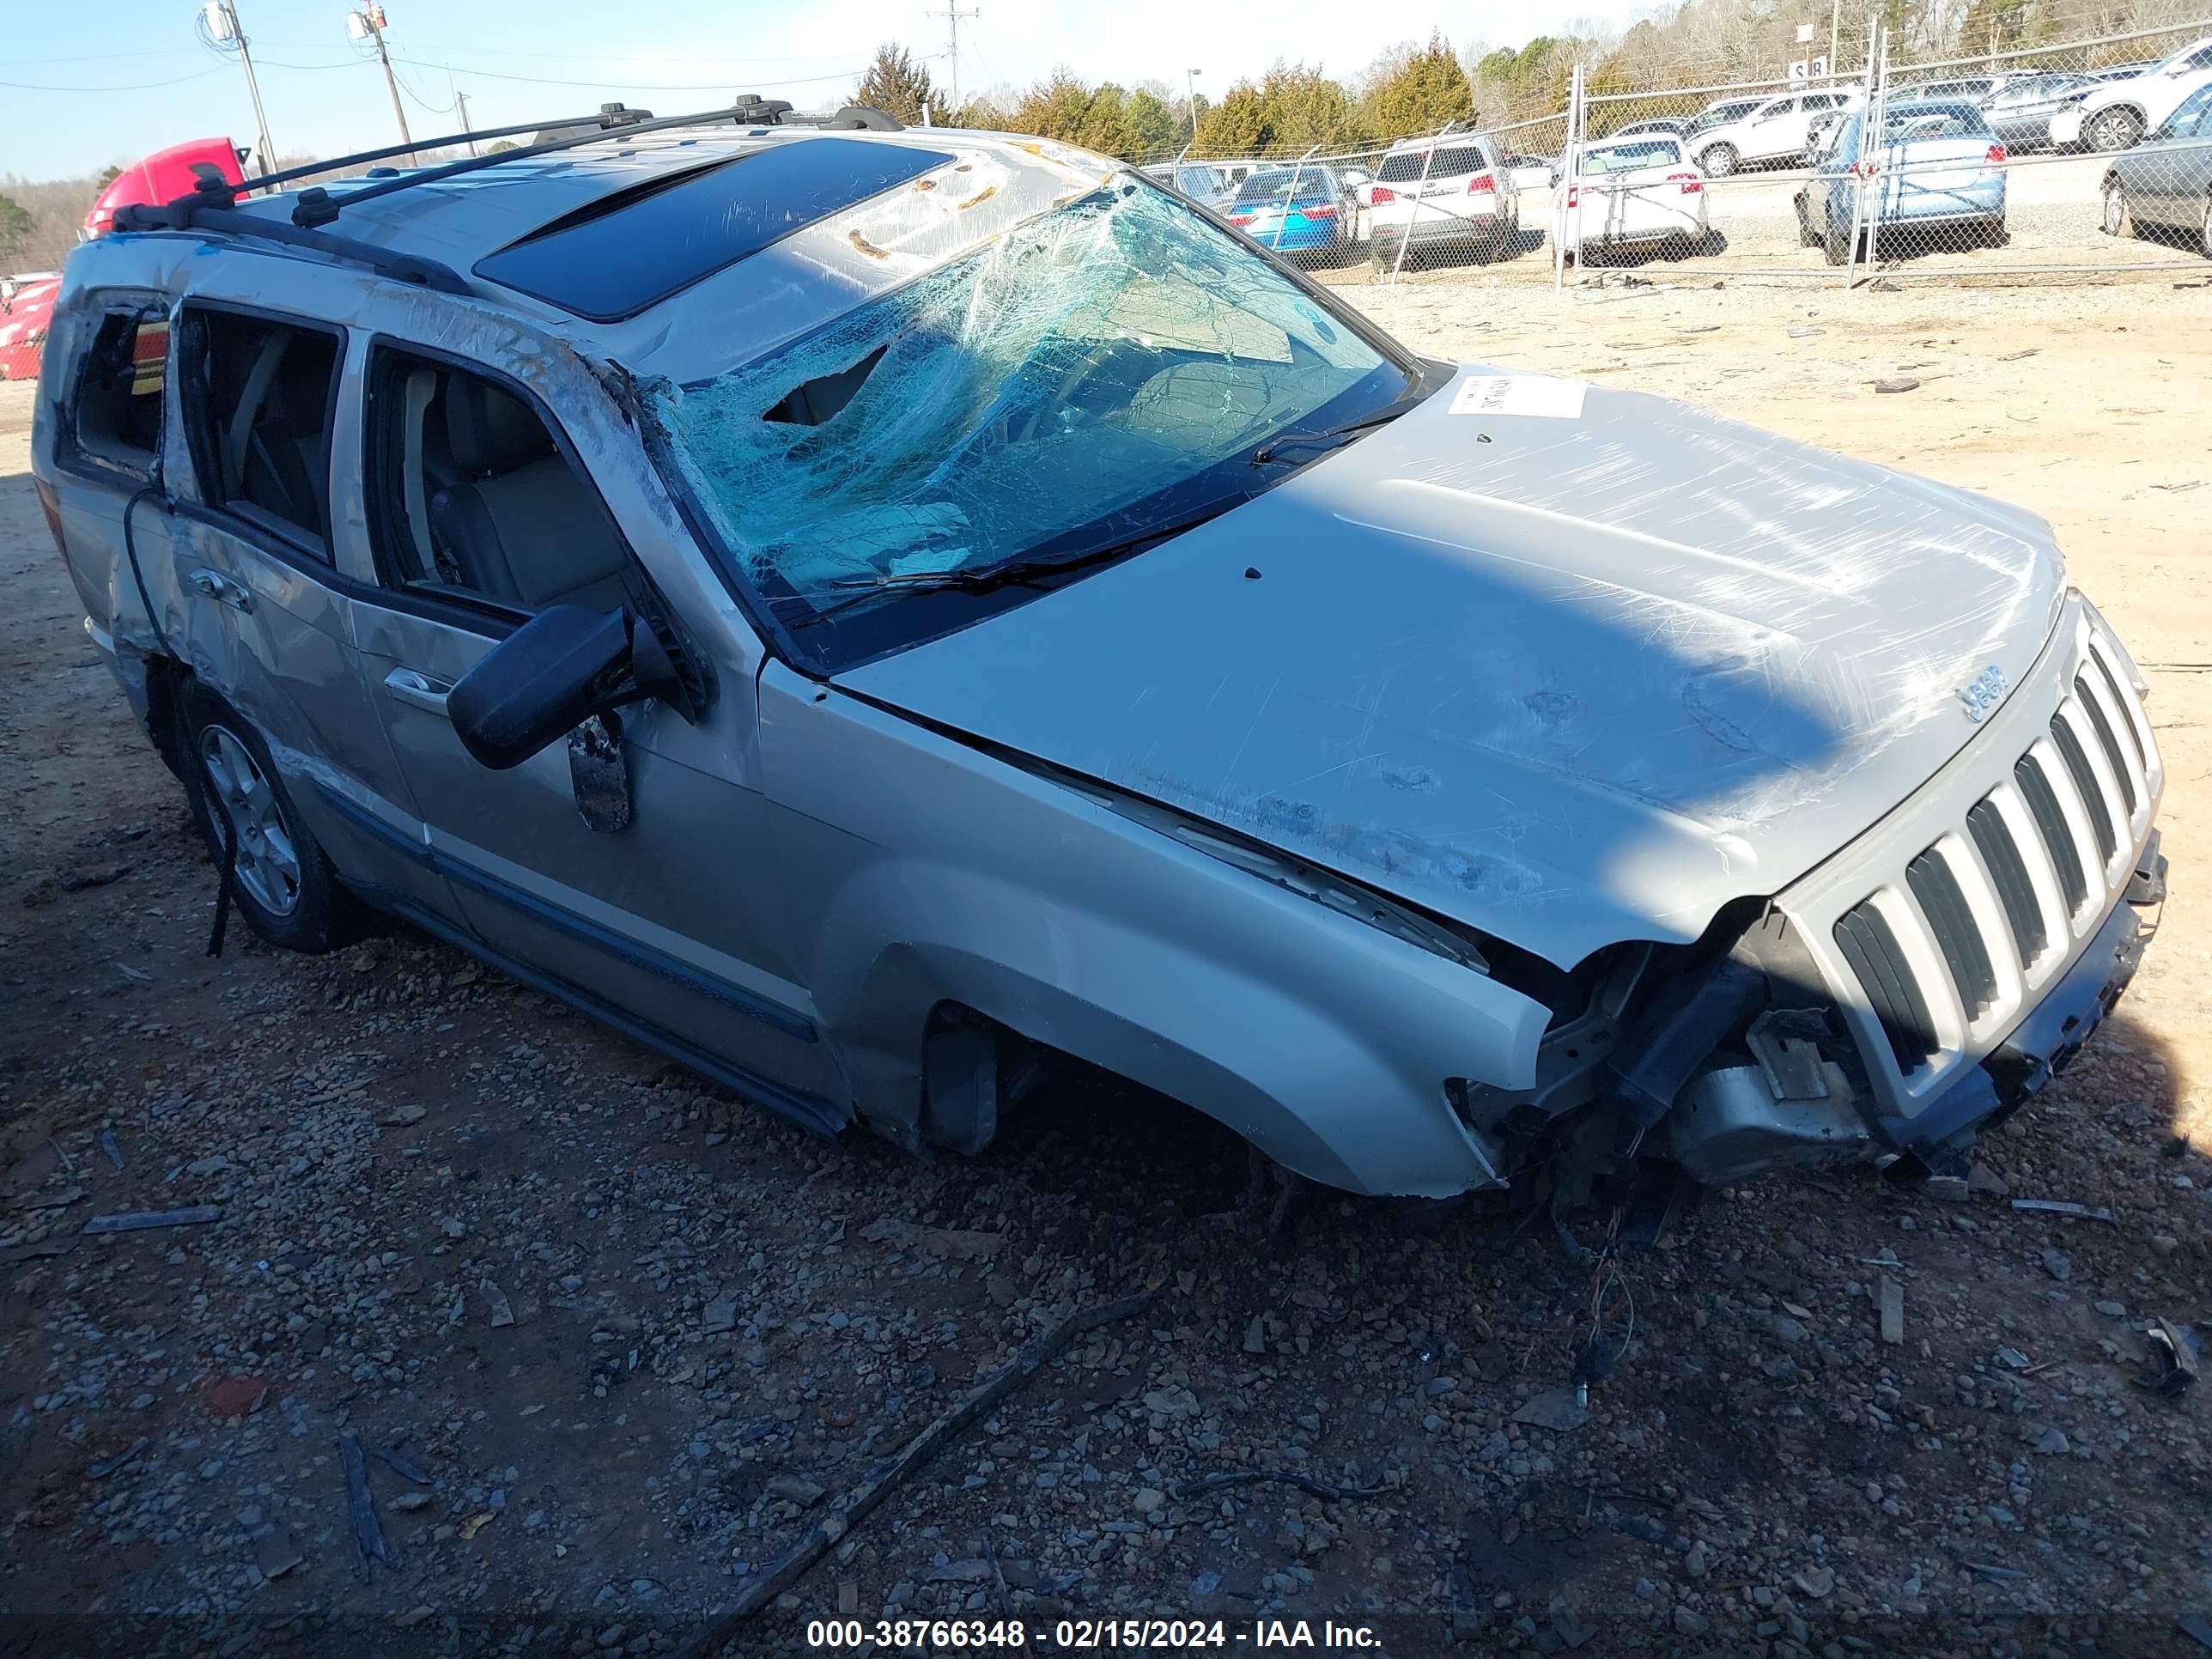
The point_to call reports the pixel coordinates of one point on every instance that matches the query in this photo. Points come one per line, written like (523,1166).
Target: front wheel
(2119,220)
(2114,129)
(1719,161)
(282,881)
(1838,243)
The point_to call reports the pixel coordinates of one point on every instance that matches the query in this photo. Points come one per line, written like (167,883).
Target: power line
(606,82)
(137,86)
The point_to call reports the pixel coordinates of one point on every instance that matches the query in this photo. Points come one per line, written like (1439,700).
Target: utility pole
(461,100)
(368,24)
(1835,37)
(952,15)
(220,19)
(1190,98)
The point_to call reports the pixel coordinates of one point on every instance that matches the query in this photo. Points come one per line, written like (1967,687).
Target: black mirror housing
(565,665)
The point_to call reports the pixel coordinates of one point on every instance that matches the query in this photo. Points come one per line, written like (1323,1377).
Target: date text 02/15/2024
(1082,1635)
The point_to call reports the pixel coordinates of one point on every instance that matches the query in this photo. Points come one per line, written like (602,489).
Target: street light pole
(1190,97)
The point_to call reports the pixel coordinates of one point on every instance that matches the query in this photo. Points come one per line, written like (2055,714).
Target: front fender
(923,871)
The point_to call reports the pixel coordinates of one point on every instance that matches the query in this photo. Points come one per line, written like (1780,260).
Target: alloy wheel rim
(2115,208)
(268,860)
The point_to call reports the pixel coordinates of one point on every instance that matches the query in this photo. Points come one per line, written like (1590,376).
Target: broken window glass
(1110,352)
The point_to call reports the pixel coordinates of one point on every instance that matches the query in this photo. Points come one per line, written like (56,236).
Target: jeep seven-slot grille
(1870,946)
(2050,824)
(2037,853)
(2008,873)
(1957,936)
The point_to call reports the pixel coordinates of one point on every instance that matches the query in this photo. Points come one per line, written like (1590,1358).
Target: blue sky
(117,78)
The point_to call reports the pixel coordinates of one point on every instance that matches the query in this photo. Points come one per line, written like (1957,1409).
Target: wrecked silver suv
(869,611)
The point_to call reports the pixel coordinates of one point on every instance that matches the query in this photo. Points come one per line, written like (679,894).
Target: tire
(285,888)
(2113,129)
(2204,228)
(2119,219)
(1994,235)
(1836,242)
(1807,236)
(1719,161)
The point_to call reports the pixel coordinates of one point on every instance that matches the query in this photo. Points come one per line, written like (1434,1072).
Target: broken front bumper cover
(2048,1036)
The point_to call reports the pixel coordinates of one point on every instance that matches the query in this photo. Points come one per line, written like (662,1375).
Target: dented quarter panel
(917,870)
(1567,681)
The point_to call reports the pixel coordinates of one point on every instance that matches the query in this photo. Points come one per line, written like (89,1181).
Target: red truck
(27,301)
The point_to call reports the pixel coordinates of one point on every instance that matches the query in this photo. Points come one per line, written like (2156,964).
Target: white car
(2117,115)
(1771,130)
(1630,192)
(1451,195)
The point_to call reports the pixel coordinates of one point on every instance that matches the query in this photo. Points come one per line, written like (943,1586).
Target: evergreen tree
(902,89)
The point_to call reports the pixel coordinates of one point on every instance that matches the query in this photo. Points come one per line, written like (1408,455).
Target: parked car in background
(1302,213)
(2122,71)
(1968,88)
(2020,111)
(1528,173)
(1722,111)
(2118,113)
(1200,181)
(1673,126)
(1640,192)
(2165,182)
(1446,197)
(1773,130)
(1934,167)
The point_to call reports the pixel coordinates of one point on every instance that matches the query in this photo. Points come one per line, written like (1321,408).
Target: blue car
(1933,164)
(1303,213)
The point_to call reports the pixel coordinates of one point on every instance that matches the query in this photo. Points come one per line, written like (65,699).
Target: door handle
(418,690)
(214,584)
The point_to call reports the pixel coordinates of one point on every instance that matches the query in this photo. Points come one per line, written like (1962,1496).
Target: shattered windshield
(1105,369)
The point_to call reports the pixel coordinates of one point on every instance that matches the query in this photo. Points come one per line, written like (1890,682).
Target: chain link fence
(2084,157)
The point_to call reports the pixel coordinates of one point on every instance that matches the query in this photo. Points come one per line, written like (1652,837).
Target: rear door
(2166,177)
(479,511)
(269,611)
(1775,128)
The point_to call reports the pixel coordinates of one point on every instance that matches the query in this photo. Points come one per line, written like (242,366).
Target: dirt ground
(634,1337)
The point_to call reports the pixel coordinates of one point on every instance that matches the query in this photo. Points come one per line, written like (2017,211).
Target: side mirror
(565,665)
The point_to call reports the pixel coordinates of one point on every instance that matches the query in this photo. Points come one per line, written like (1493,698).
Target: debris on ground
(135,1221)
(2175,1353)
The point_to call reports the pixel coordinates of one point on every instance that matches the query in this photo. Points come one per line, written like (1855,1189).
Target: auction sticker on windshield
(1538,395)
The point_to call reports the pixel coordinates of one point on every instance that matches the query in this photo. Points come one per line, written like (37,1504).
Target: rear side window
(258,420)
(120,388)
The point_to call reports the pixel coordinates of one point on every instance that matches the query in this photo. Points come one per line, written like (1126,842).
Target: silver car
(880,615)
(2165,183)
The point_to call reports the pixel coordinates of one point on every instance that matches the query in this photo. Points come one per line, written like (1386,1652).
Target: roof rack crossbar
(317,206)
(187,214)
(308,169)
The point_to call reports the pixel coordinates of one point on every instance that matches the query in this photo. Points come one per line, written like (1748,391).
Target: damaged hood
(1566,664)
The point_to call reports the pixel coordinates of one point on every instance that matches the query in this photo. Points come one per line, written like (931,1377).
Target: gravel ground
(623,1338)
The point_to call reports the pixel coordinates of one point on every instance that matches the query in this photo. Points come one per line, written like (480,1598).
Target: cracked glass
(1089,373)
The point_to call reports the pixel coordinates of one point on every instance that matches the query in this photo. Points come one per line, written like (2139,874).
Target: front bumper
(2044,1043)
(2066,128)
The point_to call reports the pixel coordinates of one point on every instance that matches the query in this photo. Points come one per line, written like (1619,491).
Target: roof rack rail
(212,203)
(607,116)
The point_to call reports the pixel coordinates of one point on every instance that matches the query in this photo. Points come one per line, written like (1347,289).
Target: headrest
(488,430)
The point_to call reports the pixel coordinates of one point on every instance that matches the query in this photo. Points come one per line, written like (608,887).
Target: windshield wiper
(1019,571)
(1271,451)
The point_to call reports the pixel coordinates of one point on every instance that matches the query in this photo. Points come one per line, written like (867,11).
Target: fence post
(1877,114)
(1297,172)
(1566,193)
(1414,218)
